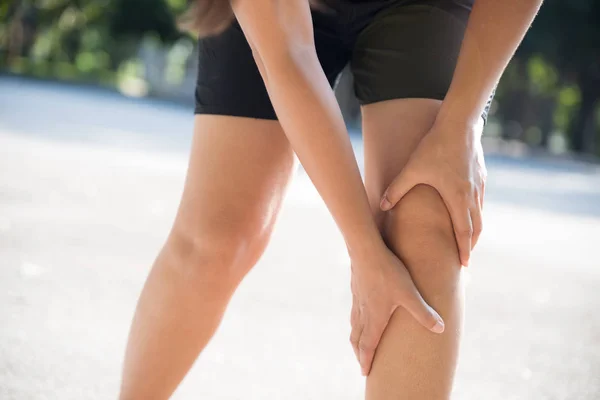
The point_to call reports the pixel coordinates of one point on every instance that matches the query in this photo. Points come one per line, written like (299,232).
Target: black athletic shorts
(396,49)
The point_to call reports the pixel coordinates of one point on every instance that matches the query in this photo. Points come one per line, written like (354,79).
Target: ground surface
(89,183)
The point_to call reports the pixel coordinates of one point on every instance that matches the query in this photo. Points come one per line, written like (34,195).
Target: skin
(223,226)
(221,229)
(410,363)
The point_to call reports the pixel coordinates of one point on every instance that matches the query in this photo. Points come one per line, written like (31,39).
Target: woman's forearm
(494,31)
(280,33)
(311,118)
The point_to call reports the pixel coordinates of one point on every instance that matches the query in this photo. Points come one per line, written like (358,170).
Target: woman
(424,72)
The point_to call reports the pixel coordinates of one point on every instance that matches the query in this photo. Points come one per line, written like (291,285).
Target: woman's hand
(380,284)
(450,159)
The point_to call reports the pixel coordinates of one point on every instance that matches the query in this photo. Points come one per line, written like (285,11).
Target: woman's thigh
(238,173)
(392,130)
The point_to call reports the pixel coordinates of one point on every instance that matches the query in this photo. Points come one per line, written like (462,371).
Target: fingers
(414,303)
(482,195)
(368,326)
(397,189)
(477,221)
(463,228)
(369,339)
(370,330)
(467,222)
(356,327)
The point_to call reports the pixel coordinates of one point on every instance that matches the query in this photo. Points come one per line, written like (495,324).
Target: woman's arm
(494,31)
(281,36)
(450,157)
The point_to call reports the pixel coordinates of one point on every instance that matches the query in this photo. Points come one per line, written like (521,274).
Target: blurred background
(96,101)
(548,97)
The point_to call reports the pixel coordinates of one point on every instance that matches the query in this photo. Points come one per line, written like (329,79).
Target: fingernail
(438,327)
(385,204)
(439,323)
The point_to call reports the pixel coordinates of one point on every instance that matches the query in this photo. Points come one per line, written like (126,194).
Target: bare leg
(238,174)
(412,363)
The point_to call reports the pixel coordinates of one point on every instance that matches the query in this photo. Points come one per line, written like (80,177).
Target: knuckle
(465,232)
(478,229)
(355,335)
(469,187)
(468,198)
(366,346)
(463,190)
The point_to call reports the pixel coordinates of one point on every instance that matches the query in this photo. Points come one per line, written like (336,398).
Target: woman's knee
(419,230)
(421,208)
(221,253)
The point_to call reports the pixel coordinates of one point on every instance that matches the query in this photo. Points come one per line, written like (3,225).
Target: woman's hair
(206,17)
(209,17)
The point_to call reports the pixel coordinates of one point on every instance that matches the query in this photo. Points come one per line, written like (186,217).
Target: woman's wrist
(464,112)
(363,248)
(463,124)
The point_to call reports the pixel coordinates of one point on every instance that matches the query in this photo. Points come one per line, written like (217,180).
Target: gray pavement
(89,183)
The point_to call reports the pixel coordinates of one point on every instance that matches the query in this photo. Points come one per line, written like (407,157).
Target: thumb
(414,303)
(395,191)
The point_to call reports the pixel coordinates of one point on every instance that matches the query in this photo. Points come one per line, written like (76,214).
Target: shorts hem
(204,110)
(437,96)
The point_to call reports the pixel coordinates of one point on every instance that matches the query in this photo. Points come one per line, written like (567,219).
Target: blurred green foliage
(87,40)
(550,90)
(553,82)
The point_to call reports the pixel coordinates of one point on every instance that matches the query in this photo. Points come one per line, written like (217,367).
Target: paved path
(89,183)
